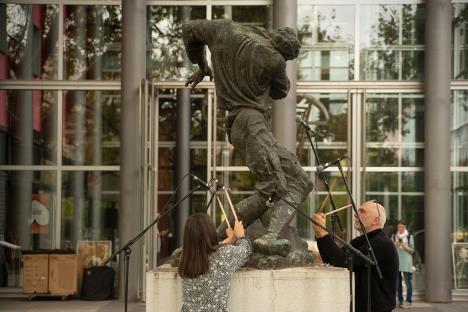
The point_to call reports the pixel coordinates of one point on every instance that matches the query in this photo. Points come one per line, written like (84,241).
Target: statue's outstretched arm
(197,35)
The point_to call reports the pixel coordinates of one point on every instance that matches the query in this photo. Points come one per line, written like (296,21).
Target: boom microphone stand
(350,249)
(126,249)
(334,217)
(363,230)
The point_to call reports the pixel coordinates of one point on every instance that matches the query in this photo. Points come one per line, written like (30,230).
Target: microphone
(300,121)
(218,184)
(329,164)
(210,188)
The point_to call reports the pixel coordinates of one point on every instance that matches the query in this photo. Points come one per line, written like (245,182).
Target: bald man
(383,291)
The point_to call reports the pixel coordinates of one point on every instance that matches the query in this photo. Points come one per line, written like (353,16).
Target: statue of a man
(249,66)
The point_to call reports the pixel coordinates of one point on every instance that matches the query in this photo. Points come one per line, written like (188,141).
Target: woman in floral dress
(207,267)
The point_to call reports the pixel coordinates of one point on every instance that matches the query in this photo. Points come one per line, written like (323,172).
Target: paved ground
(437,307)
(71,305)
(74,305)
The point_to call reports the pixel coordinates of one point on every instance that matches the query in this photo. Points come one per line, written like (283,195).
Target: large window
(392,42)
(166,53)
(29,41)
(327,37)
(92,38)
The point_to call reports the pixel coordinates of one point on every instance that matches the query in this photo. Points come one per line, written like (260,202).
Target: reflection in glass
(382,181)
(90,207)
(327,37)
(392,42)
(91,127)
(30,33)
(224,153)
(460,206)
(395,129)
(412,181)
(93,37)
(166,54)
(413,213)
(28,210)
(166,169)
(252,15)
(167,101)
(28,128)
(402,195)
(459,132)
(327,115)
(460,41)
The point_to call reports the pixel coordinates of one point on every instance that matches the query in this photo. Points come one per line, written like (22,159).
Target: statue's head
(284,40)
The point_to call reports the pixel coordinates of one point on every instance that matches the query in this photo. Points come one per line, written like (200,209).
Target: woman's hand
(230,238)
(238,229)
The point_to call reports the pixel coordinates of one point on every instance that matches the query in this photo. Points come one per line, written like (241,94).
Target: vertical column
(284,111)
(183,159)
(184,113)
(96,73)
(77,117)
(437,199)
(133,71)
(23,145)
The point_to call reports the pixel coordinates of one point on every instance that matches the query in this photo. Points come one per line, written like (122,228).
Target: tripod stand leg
(126,269)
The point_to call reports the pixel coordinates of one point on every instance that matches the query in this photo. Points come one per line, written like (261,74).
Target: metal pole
(182,158)
(183,130)
(437,199)
(133,71)
(284,111)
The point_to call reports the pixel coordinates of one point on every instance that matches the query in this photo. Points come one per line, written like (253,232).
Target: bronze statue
(249,66)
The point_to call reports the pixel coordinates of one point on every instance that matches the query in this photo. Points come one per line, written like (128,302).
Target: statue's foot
(271,244)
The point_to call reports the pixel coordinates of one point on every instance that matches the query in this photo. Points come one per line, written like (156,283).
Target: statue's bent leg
(259,146)
(298,186)
(247,124)
(247,210)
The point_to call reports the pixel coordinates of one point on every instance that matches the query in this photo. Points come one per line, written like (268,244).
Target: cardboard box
(36,274)
(62,274)
(50,274)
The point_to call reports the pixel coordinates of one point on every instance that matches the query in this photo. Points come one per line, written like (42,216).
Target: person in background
(404,243)
(382,291)
(206,266)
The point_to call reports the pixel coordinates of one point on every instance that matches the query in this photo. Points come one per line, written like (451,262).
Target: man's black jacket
(383,291)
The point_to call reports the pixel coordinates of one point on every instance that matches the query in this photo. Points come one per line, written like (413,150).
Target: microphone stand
(127,250)
(213,194)
(334,217)
(350,249)
(363,231)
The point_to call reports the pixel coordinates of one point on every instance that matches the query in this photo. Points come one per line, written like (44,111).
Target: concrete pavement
(75,305)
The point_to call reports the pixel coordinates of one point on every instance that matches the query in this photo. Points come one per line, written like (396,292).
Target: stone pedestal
(292,289)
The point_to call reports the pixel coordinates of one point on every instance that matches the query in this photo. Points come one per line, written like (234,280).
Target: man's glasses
(376,206)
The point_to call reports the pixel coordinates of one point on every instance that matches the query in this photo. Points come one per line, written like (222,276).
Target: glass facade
(60,143)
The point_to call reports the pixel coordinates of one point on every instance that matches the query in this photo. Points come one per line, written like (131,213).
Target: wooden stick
(336,210)
(328,195)
(230,203)
(224,212)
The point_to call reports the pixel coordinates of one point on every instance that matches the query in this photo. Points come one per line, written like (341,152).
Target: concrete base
(292,289)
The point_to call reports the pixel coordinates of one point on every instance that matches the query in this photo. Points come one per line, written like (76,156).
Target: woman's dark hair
(200,240)
(401,222)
